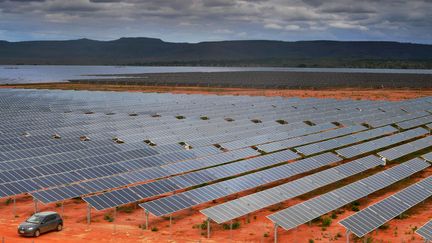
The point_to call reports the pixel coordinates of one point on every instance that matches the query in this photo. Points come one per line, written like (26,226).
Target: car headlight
(30,228)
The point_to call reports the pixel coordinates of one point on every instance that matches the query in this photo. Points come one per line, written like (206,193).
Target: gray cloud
(200,20)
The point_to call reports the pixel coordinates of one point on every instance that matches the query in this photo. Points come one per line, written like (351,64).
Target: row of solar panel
(426,231)
(304,212)
(367,147)
(105,200)
(407,148)
(242,206)
(345,140)
(372,217)
(55,180)
(170,204)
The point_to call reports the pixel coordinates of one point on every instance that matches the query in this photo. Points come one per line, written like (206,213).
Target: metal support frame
(276,233)
(170,224)
(35,205)
(14,208)
(208,228)
(88,214)
(62,209)
(348,232)
(146,218)
(115,219)
(231,226)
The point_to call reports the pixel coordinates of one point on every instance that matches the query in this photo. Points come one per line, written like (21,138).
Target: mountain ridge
(143,50)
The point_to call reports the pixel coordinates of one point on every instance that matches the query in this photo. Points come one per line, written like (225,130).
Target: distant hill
(150,51)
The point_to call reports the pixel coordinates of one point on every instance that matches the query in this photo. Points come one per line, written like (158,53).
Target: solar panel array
(372,217)
(304,212)
(113,148)
(136,193)
(373,145)
(345,140)
(406,149)
(204,194)
(426,231)
(236,208)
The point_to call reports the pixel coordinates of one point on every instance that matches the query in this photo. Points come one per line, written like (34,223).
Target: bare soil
(340,93)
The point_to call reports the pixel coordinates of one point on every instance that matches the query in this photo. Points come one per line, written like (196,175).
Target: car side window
(44,220)
(50,218)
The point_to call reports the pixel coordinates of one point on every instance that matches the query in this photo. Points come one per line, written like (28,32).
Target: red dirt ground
(345,93)
(126,227)
(257,229)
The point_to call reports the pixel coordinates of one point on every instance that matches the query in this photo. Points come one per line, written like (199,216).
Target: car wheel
(59,227)
(36,233)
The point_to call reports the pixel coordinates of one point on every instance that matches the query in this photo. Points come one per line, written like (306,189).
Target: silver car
(40,223)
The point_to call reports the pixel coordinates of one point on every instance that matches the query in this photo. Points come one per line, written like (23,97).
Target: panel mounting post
(14,207)
(170,224)
(276,233)
(115,219)
(208,228)
(231,226)
(62,209)
(146,218)
(88,214)
(35,205)
(348,235)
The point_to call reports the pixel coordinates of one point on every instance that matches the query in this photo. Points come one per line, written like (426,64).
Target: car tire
(59,227)
(36,233)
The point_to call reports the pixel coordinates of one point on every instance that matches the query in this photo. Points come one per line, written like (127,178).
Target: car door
(52,222)
(44,225)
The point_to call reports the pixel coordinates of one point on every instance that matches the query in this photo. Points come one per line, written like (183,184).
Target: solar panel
(428,157)
(415,122)
(194,178)
(426,231)
(236,208)
(239,184)
(345,140)
(376,144)
(304,212)
(294,142)
(407,148)
(372,217)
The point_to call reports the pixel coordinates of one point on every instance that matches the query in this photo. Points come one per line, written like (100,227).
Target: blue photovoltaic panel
(372,217)
(304,212)
(426,231)
(236,208)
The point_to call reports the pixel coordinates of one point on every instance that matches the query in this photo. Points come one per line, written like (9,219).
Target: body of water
(10,74)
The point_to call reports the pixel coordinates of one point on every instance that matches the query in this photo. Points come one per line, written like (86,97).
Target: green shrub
(203,225)
(384,226)
(333,215)
(154,229)
(126,209)
(8,201)
(326,222)
(355,208)
(266,235)
(108,217)
(311,241)
(235,225)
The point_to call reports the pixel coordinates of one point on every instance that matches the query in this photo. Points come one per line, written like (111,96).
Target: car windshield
(35,219)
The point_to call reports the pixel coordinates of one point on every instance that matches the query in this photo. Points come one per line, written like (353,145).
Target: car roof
(45,213)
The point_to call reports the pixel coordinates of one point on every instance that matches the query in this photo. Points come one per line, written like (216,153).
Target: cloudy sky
(205,20)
